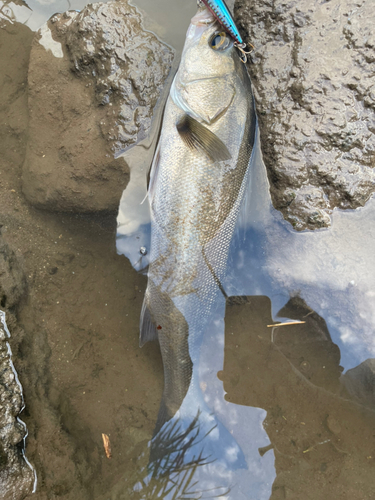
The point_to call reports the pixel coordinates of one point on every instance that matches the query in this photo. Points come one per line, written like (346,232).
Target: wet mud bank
(72,307)
(75,348)
(313,73)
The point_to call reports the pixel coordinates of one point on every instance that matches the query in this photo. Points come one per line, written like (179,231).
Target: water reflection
(332,269)
(171,473)
(293,373)
(181,466)
(308,346)
(34,13)
(360,383)
(12,11)
(298,399)
(288,404)
(167,19)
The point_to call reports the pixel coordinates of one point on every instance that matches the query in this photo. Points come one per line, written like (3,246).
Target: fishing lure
(221,12)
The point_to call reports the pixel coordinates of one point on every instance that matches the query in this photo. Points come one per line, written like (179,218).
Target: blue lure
(220,10)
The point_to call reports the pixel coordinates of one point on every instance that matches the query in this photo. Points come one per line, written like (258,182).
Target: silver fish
(197,185)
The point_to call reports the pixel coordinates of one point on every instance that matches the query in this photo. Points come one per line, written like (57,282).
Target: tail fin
(164,416)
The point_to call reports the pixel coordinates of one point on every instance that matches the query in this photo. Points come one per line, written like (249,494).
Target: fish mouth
(203,18)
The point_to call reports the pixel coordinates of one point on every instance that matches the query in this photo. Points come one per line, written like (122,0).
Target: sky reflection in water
(331,274)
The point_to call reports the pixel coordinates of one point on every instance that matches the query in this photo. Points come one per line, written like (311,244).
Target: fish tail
(164,416)
(148,331)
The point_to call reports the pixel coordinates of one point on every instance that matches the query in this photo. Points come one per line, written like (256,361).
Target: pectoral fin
(198,137)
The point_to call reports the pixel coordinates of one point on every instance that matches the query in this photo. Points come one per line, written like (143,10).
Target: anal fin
(147,328)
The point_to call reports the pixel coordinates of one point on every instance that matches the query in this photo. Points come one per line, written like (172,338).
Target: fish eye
(220,41)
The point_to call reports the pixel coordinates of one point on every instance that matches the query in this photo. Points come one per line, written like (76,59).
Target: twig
(107,445)
(286,324)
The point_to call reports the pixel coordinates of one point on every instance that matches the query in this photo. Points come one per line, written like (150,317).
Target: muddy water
(299,398)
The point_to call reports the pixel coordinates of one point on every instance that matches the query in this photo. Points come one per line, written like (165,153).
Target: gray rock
(94,79)
(16,475)
(313,72)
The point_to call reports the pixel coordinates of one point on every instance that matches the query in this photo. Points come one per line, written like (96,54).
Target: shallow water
(299,399)
(301,379)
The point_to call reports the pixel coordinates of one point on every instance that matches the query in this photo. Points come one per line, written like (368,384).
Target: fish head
(208,49)
(204,86)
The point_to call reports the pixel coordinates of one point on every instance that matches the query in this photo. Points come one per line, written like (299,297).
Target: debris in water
(107,446)
(288,323)
(315,445)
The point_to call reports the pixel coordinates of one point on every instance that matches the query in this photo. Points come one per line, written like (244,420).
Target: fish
(221,12)
(197,185)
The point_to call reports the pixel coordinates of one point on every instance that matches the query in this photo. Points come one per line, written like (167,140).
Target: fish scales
(195,200)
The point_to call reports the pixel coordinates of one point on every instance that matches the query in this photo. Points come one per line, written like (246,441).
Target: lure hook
(244,53)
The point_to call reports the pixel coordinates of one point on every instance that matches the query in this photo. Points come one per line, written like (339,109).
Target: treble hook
(244,53)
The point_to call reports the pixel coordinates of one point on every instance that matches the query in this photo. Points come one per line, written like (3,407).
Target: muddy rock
(16,474)
(313,73)
(94,79)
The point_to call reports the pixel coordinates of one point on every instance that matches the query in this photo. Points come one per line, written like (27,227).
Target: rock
(313,73)
(94,79)
(16,475)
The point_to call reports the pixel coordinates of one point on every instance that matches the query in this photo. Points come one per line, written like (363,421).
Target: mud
(313,74)
(75,329)
(109,77)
